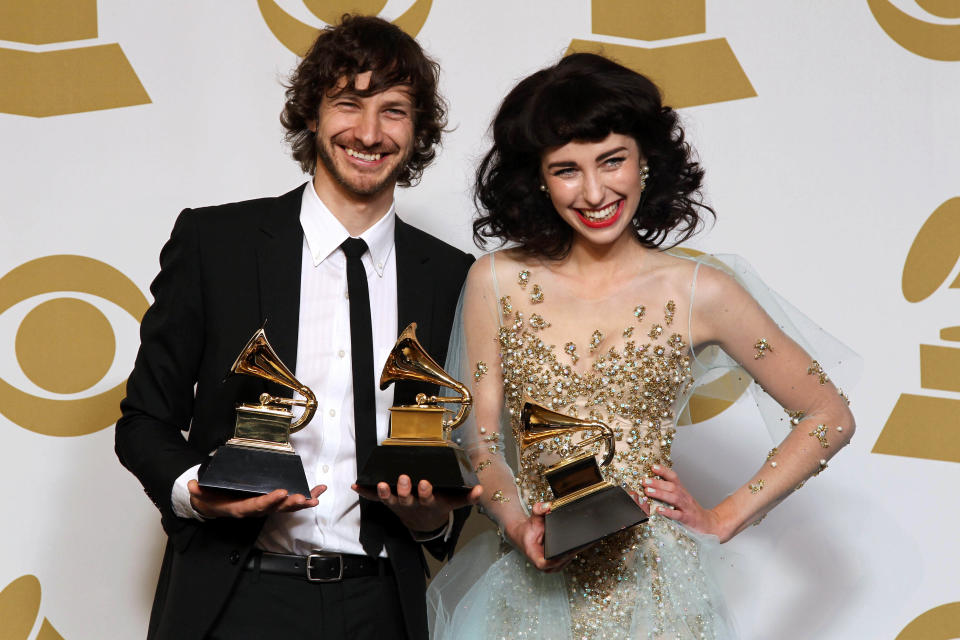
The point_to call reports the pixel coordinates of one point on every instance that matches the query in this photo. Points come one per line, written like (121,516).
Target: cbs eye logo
(937,39)
(63,314)
(297,36)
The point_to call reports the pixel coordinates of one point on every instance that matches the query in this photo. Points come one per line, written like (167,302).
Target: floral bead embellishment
(756,487)
(506,305)
(480,371)
(762,347)
(820,468)
(845,397)
(571,350)
(499,497)
(795,416)
(676,341)
(628,332)
(820,433)
(523,278)
(596,339)
(536,295)
(655,331)
(770,456)
(537,322)
(816,370)
(668,311)
(639,311)
(483,465)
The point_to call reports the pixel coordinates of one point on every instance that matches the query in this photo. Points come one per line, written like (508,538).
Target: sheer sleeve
(474,359)
(741,329)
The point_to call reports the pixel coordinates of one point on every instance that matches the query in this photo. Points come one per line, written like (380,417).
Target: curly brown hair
(583,97)
(357,45)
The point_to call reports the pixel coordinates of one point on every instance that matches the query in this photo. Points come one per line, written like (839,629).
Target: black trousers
(265,606)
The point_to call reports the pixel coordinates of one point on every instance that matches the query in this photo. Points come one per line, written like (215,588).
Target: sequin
(499,497)
(795,417)
(773,452)
(655,331)
(537,322)
(628,332)
(571,349)
(536,294)
(669,309)
(483,465)
(480,371)
(595,339)
(820,433)
(816,370)
(756,487)
(762,347)
(844,396)
(523,278)
(639,311)
(506,306)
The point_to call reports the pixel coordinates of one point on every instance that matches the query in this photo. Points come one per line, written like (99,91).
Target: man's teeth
(600,214)
(369,157)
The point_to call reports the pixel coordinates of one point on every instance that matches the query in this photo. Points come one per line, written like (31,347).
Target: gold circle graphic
(66,273)
(939,623)
(934,252)
(65,345)
(19,606)
(297,36)
(941,8)
(934,41)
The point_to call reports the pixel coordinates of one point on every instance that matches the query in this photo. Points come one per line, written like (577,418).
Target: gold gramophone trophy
(585,507)
(259,458)
(419,444)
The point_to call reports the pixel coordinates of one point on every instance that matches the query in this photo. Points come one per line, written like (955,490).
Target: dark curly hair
(583,97)
(356,45)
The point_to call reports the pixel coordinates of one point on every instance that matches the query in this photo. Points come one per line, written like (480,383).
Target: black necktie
(364,401)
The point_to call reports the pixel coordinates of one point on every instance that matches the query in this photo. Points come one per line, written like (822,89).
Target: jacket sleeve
(160,390)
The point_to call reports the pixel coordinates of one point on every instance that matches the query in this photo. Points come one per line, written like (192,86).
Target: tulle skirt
(653,581)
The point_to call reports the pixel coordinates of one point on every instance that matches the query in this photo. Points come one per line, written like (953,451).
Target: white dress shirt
(327,445)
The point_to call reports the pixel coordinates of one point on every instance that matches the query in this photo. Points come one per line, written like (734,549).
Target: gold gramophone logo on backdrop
(928,426)
(938,40)
(704,71)
(71,77)
(297,35)
(19,609)
(65,345)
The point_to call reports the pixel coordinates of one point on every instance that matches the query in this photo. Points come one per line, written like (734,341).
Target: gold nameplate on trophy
(259,457)
(585,507)
(419,443)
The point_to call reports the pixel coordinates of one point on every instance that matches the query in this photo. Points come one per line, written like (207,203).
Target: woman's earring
(543,187)
(644,174)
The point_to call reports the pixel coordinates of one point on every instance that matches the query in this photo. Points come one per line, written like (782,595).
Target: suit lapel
(279,257)
(414,290)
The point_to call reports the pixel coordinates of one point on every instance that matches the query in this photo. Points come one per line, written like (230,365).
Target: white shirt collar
(324,233)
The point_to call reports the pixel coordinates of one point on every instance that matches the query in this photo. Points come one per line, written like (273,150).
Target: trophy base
(253,471)
(446,468)
(591,518)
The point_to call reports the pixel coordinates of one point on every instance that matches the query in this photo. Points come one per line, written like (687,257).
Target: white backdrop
(823,180)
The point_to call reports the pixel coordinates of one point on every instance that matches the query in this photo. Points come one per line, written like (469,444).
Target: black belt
(320,567)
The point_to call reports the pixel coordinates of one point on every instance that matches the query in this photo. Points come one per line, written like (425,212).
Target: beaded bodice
(629,377)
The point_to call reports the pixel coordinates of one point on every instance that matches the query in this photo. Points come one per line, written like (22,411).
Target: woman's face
(595,186)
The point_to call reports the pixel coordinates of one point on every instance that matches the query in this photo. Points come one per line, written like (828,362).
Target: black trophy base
(583,521)
(446,468)
(253,471)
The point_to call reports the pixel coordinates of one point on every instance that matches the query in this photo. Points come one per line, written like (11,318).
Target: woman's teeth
(597,215)
(369,157)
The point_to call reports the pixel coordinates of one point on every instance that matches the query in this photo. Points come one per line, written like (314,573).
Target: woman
(588,177)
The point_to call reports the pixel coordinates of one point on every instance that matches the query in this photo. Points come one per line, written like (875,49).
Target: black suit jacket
(223,272)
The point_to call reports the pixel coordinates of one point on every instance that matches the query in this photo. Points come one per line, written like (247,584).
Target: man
(362,115)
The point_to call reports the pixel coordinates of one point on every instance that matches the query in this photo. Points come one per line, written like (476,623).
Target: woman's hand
(527,535)
(686,510)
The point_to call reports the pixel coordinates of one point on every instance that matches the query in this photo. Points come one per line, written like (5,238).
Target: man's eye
(397,113)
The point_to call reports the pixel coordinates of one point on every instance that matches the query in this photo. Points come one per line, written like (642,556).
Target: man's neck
(356,213)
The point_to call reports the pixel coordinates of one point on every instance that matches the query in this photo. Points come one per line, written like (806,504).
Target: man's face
(364,142)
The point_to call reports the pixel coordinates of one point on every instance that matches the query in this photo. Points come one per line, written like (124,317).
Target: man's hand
(218,504)
(422,511)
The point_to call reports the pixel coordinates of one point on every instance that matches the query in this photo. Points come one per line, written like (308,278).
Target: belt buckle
(310,576)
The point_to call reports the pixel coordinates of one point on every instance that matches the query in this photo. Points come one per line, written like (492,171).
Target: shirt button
(325,468)
(379,266)
(333,412)
(341,353)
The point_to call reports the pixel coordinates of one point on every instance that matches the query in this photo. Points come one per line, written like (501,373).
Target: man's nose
(368,131)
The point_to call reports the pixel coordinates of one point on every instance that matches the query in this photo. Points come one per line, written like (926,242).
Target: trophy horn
(537,423)
(408,360)
(258,359)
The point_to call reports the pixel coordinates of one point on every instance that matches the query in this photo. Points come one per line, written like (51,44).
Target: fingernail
(656,467)
(404,482)
(651,490)
(648,481)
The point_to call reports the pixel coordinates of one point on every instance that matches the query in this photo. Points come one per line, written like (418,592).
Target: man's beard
(326,158)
